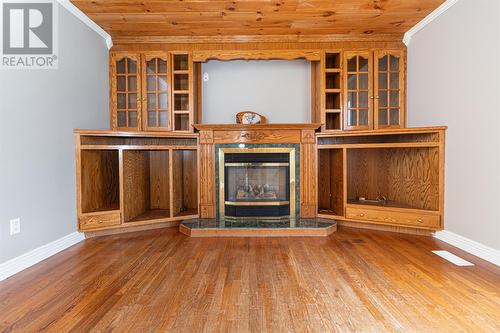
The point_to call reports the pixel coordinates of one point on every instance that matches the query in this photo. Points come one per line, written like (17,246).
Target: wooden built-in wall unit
(359,164)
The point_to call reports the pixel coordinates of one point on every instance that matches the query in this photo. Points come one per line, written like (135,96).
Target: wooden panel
(204,55)
(185,183)
(159,179)
(237,20)
(126,228)
(308,191)
(148,44)
(135,184)
(96,221)
(261,136)
(384,215)
(330,182)
(384,227)
(407,176)
(207,181)
(99,180)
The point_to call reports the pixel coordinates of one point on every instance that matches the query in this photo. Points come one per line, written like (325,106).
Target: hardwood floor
(161,280)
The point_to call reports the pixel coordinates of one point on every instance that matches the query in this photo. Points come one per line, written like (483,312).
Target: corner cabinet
(363,89)
(128,180)
(151,91)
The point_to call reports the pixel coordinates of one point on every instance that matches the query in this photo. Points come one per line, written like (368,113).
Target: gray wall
(38,111)
(454,79)
(279,90)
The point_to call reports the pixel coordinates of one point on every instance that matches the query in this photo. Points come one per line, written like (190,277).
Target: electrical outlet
(205,77)
(15,226)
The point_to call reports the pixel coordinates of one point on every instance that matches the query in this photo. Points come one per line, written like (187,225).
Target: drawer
(393,217)
(96,221)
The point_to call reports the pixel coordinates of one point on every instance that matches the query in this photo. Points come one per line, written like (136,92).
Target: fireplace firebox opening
(257,182)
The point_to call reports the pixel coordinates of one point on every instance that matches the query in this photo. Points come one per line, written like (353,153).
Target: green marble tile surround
(235,145)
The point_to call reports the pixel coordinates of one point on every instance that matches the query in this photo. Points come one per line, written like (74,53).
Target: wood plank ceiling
(299,19)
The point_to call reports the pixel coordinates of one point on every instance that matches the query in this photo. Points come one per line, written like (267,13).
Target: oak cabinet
(392,177)
(358,85)
(133,179)
(362,89)
(375,89)
(125,85)
(156,91)
(151,91)
(389,84)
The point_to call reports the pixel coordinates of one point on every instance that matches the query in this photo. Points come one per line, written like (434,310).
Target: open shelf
(181,62)
(181,82)
(331,182)
(332,100)
(405,177)
(181,121)
(332,80)
(332,60)
(181,102)
(185,187)
(333,120)
(100,185)
(146,181)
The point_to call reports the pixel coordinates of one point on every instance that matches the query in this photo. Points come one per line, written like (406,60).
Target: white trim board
(85,19)
(428,19)
(33,257)
(468,245)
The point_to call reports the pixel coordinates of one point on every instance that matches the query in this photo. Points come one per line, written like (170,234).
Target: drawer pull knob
(100,221)
(361,214)
(420,220)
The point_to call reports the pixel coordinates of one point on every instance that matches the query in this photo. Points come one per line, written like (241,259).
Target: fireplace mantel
(255,127)
(214,134)
(258,133)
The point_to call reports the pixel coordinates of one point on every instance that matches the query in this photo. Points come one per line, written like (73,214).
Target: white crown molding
(85,19)
(428,19)
(33,257)
(479,250)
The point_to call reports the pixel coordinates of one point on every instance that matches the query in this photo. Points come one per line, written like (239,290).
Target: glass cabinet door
(389,88)
(126,92)
(155,96)
(358,87)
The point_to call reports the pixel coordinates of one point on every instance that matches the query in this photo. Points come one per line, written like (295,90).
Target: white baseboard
(28,259)
(468,245)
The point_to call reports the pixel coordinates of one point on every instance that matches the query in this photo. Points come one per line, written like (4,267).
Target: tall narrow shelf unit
(129,179)
(331,105)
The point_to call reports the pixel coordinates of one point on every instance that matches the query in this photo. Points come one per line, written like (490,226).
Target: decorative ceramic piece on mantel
(249,117)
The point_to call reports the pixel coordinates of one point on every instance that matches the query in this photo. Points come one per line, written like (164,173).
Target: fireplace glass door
(257,184)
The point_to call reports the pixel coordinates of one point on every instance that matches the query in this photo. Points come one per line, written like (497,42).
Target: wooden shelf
(99,181)
(152,214)
(138,183)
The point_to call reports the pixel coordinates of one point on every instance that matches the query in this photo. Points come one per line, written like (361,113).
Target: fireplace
(257,182)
